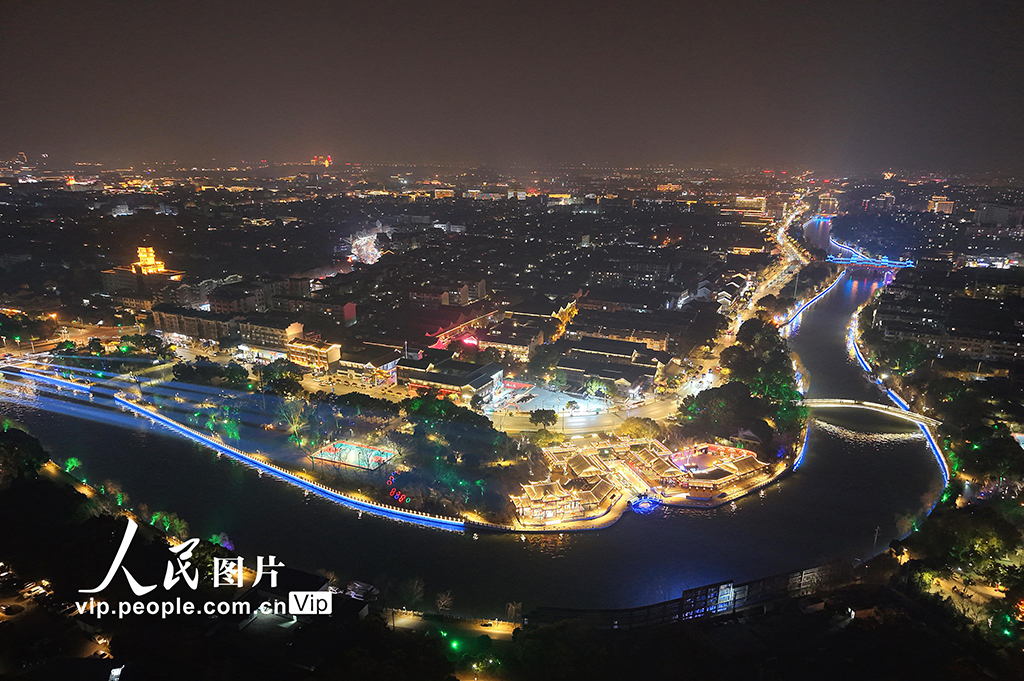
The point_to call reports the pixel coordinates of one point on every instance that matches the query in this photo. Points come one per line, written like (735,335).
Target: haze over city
(839,86)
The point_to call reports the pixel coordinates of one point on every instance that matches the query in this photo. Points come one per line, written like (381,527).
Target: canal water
(863,471)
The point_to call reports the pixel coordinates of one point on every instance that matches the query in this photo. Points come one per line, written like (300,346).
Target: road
(78,334)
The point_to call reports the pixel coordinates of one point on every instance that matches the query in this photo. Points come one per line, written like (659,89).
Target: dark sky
(844,85)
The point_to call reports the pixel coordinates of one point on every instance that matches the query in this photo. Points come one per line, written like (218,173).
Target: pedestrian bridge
(873,406)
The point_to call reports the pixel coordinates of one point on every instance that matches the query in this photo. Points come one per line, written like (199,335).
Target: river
(851,482)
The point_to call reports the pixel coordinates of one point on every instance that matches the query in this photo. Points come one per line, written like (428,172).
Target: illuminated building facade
(147,274)
(316,355)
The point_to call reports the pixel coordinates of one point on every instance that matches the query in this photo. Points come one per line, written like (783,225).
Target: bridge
(859,259)
(873,406)
(864,261)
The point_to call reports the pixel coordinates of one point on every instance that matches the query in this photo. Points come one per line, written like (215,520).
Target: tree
(543,360)
(411,592)
(235,374)
(170,523)
(490,355)
(444,601)
(21,455)
(640,427)
(543,417)
(718,412)
(545,438)
(599,386)
(572,406)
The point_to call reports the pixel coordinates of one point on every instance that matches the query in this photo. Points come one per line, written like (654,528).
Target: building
(543,502)
(610,328)
(543,308)
(320,307)
(883,203)
(237,299)
(606,350)
(432,327)
(517,340)
(999,214)
(429,297)
(940,204)
(374,365)
(757,204)
(146,275)
(455,294)
(194,325)
(449,377)
(193,294)
(134,302)
(319,356)
(973,313)
(268,331)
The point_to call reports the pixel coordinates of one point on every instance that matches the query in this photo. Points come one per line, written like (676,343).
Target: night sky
(857,85)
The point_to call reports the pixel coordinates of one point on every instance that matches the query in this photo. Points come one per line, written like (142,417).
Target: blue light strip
(902,404)
(803,450)
(859,258)
(856,351)
(55,381)
(932,445)
(846,248)
(867,262)
(897,399)
(812,301)
(383,511)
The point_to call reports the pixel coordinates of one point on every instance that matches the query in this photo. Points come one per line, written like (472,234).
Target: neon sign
(396,493)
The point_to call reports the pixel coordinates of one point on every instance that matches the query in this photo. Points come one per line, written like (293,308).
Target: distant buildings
(455,294)
(758,204)
(940,204)
(828,204)
(883,203)
(975,313)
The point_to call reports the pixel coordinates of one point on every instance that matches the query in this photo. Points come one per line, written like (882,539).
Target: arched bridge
(873,406)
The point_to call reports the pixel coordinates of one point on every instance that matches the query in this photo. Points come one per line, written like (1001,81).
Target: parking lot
(38,605)
(340,385)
